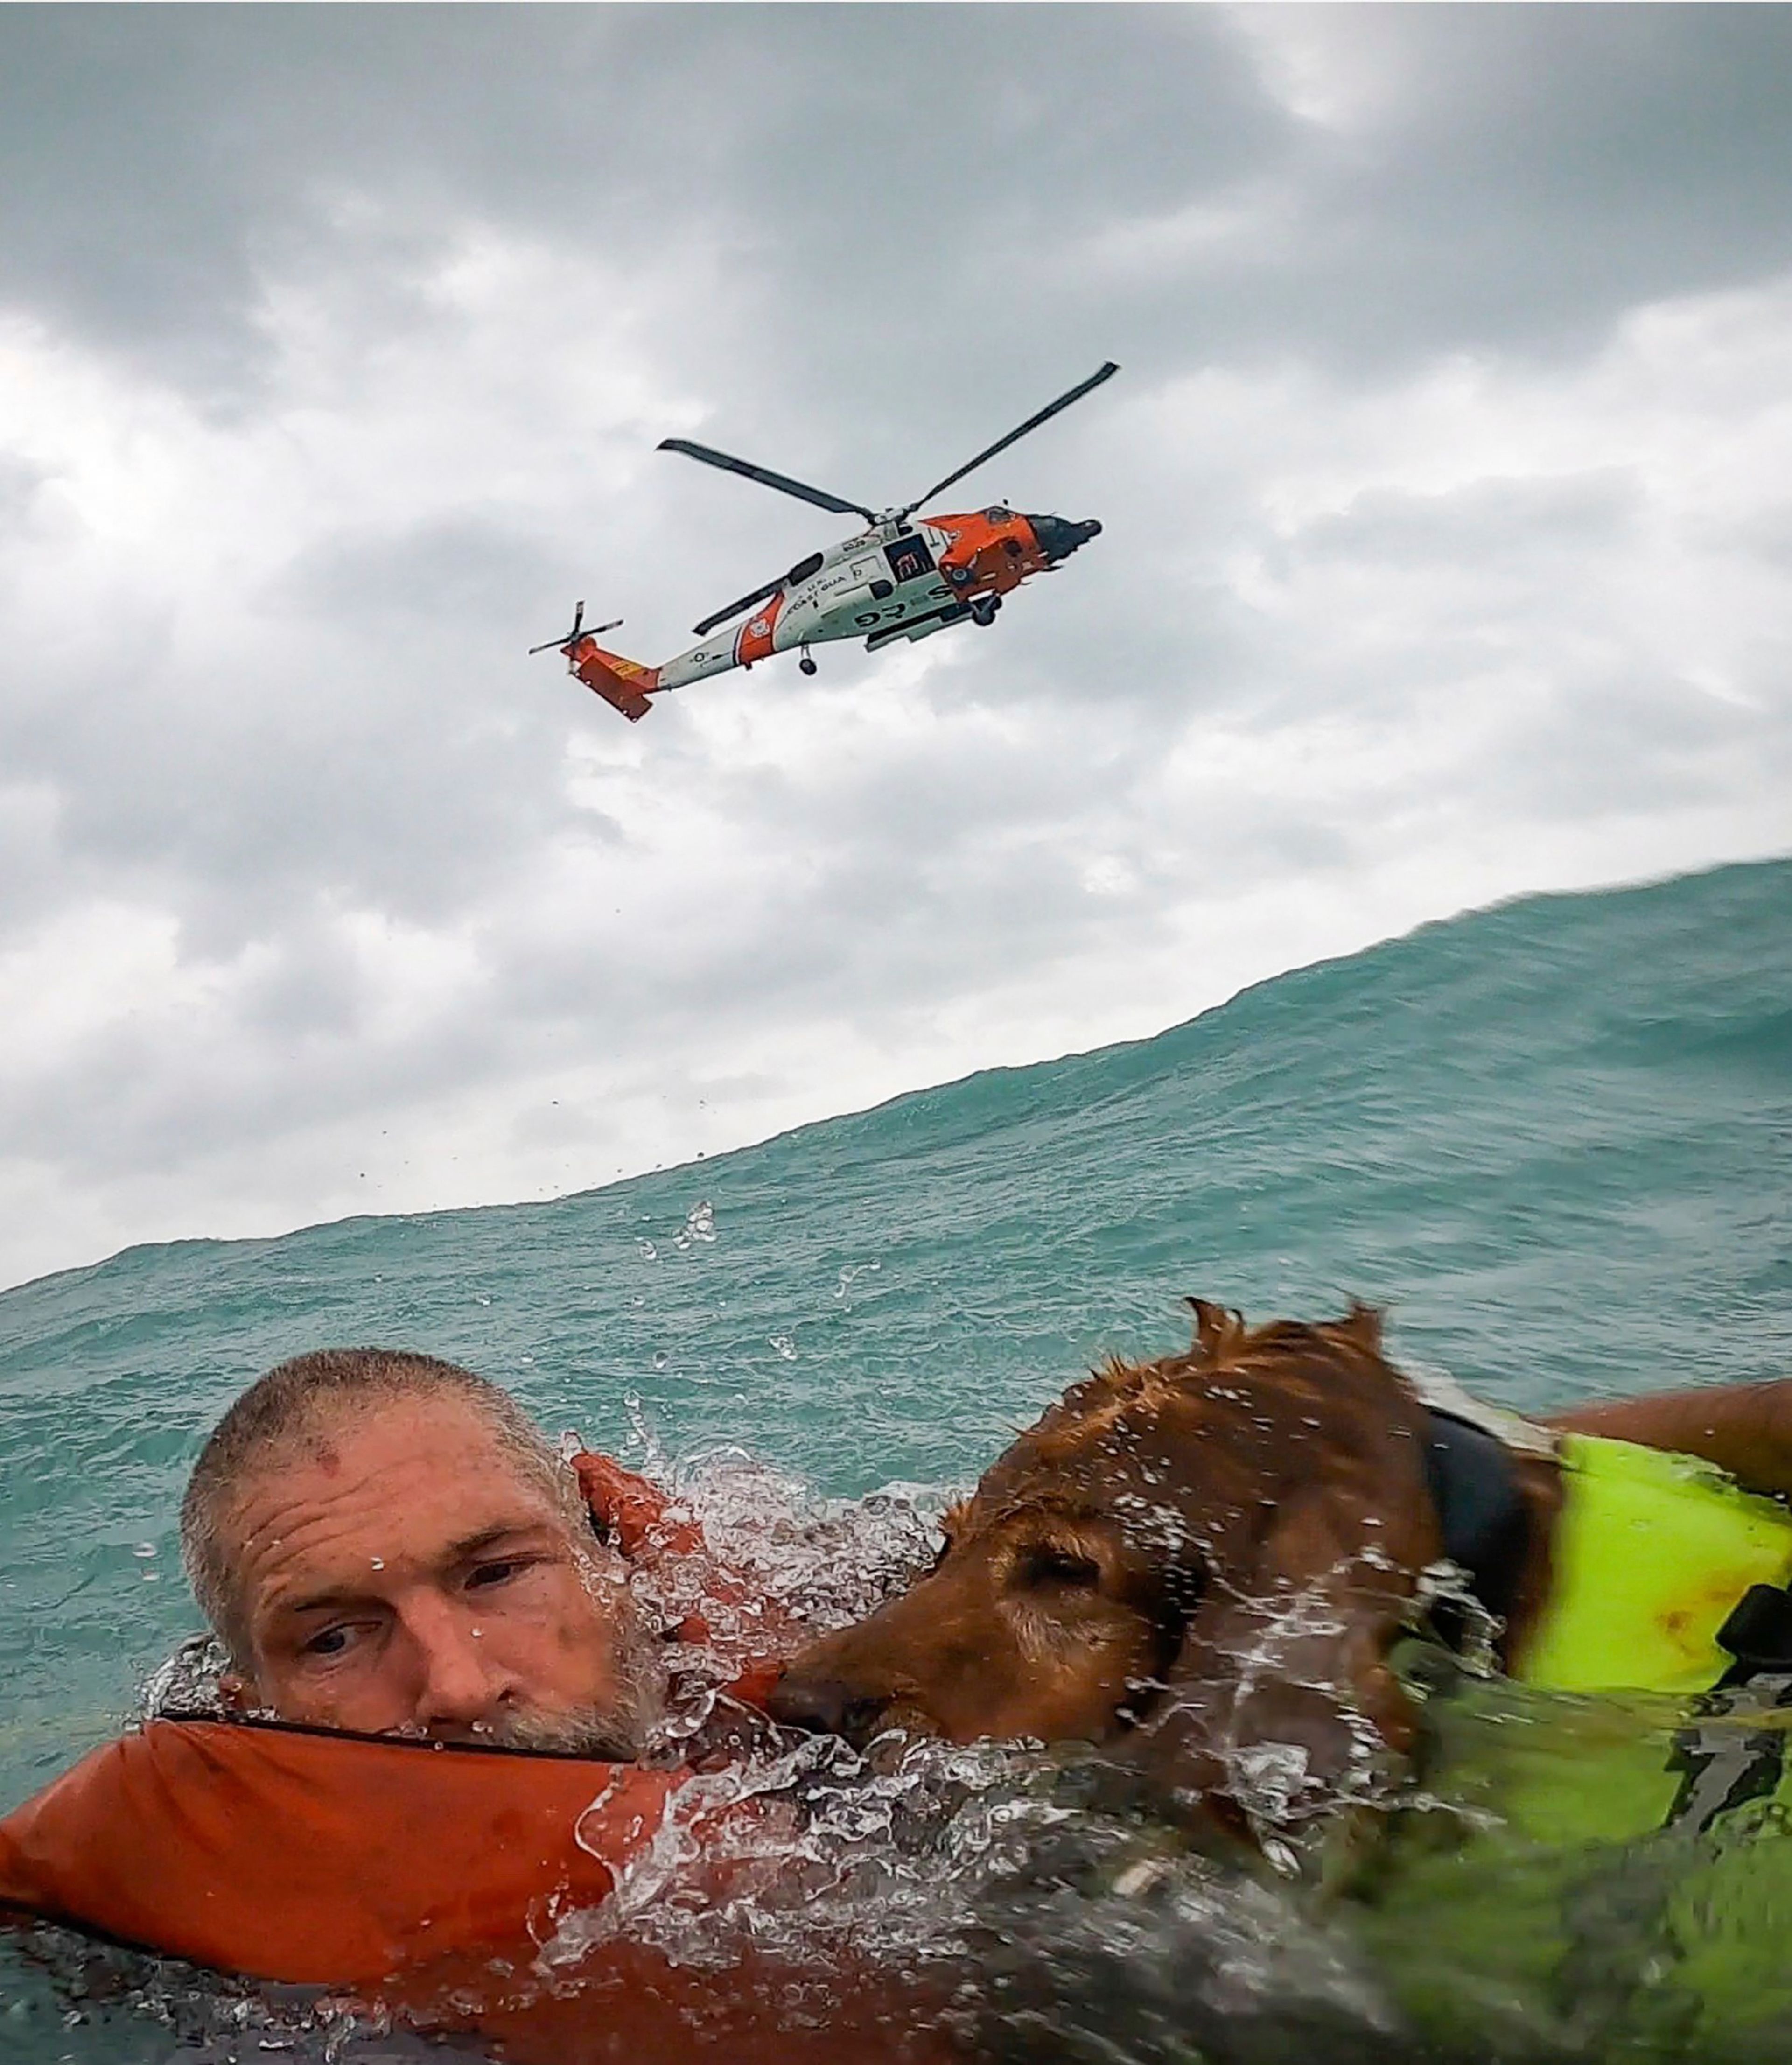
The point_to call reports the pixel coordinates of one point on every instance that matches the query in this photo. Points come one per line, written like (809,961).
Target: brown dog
(1214,1554)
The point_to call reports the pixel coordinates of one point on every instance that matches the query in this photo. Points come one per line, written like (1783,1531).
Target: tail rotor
(566,645)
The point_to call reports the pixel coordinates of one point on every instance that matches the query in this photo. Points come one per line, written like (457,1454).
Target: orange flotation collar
(307,1856)
(300,1855)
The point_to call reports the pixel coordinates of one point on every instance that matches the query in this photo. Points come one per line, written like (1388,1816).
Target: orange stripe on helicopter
(754,641)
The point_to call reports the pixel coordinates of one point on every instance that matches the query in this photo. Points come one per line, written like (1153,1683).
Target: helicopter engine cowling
(1059,537)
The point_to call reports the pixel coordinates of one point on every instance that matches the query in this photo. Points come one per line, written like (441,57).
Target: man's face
(398,1570)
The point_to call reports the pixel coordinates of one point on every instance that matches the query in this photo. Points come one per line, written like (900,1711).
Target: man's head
(384,1543)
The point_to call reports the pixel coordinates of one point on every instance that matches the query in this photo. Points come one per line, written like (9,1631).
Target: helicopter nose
(1059,537)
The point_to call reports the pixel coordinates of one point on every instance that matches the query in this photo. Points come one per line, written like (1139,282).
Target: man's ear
(236,1694)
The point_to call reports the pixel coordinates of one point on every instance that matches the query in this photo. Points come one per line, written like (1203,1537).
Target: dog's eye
(1045,1564)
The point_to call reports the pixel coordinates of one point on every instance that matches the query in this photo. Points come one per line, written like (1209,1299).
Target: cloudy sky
(1448,530)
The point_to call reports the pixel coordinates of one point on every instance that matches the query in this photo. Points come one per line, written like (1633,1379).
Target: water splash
(188,1686)
(803,1848)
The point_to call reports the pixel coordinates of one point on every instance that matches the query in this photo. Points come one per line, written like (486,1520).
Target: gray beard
(617,1731)
(595,1731)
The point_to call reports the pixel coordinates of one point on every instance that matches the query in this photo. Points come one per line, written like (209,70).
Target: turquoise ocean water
(1554,1138)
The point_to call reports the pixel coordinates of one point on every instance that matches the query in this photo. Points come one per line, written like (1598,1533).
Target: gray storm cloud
(1446,550)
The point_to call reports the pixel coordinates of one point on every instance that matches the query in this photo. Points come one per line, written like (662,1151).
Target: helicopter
(901,577)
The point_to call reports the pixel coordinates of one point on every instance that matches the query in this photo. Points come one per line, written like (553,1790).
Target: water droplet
(378,1563)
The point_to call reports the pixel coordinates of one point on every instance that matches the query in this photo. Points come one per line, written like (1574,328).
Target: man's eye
(485,1575)
(329,1642)
(1047,1565)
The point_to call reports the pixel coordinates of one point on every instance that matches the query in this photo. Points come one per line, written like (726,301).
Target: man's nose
(458,1681)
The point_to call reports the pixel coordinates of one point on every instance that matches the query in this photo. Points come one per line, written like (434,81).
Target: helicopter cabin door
(908,559)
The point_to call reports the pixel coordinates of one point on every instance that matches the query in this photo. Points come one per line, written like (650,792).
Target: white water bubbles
(189,1685)
(802,1846)
(807,1847)
(850,1275)
(775,1554)
(828,1561)
(643,1444)
(1446,1595)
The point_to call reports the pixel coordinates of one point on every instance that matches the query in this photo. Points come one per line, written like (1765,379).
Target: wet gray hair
(297,1400)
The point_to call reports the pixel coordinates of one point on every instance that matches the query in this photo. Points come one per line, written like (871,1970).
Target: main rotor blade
(1108,371)
(734,608)
(767,479)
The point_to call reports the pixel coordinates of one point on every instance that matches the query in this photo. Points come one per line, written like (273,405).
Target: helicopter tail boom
(624,685)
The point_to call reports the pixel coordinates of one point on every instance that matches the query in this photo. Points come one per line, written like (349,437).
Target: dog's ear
(1361,1326)
(1313,1533)
(1281,1691)
(1216,1327)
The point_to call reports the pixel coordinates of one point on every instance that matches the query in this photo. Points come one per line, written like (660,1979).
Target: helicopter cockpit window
(909,558)
(801,571)
(996,514)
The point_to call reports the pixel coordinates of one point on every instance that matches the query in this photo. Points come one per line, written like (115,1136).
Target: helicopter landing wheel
(805,664)
(982,611)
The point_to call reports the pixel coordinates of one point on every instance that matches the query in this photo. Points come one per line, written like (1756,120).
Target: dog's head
(1218,1548)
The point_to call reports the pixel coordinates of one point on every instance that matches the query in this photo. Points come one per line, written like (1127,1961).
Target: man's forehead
(419,1453)
(401,1420)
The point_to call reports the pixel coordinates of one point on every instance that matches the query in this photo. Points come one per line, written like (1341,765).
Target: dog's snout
(826,1706)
